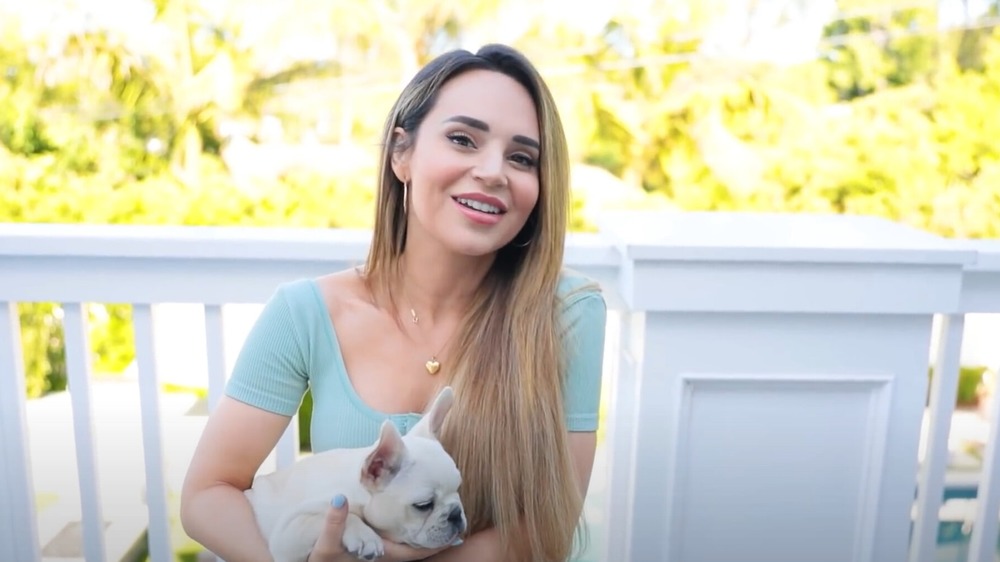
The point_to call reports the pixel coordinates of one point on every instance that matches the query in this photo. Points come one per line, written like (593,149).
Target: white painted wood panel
(786,467)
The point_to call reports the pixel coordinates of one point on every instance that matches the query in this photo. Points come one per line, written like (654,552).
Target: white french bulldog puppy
(402,488)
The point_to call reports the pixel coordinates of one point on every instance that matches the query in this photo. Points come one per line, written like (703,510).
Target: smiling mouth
(479,206)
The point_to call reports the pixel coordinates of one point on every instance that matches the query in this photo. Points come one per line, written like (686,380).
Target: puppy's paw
(361,540)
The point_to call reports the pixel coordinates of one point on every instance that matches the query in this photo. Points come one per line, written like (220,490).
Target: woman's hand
(330,544)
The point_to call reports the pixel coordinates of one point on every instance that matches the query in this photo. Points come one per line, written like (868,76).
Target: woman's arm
(484,546)
(264,391)
(214,512)
(583,447)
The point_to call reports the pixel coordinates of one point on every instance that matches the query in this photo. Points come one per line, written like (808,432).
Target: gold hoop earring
(524,244)
(528,228)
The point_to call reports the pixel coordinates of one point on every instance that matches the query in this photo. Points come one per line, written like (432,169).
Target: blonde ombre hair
(508,432)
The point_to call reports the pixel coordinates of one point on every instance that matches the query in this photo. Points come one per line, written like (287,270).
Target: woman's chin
(475,247)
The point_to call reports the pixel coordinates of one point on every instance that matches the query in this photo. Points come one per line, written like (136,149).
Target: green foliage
(41,334)
(871,54)
(970,382)
(889,122)
(58,164)
(305,419)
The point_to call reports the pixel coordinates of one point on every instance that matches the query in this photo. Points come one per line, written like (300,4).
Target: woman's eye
(424,506)
(460,139)
(523,160)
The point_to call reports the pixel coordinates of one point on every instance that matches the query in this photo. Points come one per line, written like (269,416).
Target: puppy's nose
(455,516)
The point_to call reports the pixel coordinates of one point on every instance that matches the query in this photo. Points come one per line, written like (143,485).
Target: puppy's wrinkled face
(420,505)
(414,483)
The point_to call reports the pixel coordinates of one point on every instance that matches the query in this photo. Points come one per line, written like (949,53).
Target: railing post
(781,381)
(18,527)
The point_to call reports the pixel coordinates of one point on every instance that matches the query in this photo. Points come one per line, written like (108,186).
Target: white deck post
(783,375)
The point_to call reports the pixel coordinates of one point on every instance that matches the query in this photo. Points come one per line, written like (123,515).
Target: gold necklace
(432,365)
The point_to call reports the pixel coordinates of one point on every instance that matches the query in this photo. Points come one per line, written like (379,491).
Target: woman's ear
(400,154)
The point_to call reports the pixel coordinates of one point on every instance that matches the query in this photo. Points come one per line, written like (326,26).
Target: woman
(464,286)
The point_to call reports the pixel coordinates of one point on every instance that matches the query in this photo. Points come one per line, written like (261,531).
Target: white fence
(767,371)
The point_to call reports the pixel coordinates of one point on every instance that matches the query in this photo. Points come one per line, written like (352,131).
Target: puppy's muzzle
(456,518)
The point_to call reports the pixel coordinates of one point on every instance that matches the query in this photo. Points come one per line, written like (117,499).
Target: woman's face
(473,166)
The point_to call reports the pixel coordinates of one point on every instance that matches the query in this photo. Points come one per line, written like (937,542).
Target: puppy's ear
(385,460)
(430,424)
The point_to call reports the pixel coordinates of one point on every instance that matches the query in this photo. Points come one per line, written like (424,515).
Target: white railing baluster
(215,341)
(624,348)
(983,542)
(78,371)
(930,481)
(160,549)
(18,525)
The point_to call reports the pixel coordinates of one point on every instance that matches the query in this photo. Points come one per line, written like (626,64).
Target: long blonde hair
(509,434)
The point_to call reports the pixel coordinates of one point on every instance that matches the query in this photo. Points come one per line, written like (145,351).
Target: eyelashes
(518,158)
(461,139)
(524,160)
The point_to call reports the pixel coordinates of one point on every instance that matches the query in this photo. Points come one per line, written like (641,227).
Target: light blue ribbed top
(293,347)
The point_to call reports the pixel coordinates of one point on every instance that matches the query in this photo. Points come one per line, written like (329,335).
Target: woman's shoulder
(575,286)
(331,288)
(308,302)
(340,291)
(294,291)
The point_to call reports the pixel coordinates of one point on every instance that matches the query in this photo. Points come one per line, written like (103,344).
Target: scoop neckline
(341,365)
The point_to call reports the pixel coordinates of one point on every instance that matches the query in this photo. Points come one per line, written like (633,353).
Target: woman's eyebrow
(470,121)
(483,126)
(521,139)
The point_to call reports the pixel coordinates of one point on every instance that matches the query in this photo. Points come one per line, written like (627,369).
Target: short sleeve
(270,371)
(585,319)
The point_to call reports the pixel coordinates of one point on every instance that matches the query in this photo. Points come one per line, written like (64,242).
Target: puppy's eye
(424,506)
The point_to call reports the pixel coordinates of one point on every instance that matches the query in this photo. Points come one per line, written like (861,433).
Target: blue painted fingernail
(338,501)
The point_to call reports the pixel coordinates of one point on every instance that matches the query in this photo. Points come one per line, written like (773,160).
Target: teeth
(479,206)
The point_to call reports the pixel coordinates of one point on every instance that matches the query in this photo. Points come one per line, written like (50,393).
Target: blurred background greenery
(267,113)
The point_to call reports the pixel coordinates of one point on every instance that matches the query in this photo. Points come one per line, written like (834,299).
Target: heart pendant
(432,366)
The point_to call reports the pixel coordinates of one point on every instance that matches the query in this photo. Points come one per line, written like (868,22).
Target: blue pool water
(953,543)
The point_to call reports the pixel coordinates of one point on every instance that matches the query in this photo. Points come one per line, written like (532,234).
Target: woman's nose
(490,168)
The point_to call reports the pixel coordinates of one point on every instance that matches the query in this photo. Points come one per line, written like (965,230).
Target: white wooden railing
(735,341)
